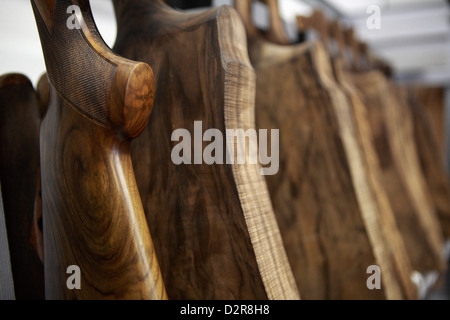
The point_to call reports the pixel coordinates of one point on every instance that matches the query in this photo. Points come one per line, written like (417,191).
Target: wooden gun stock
(19,176)
(92,213)
(217,236)
(276,32)
(317,21)
(244,7)
(36,236)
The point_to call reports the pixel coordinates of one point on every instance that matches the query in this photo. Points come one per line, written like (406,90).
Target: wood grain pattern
(327,198)
(92,213)
(19,171)
(433,99)
(387,236)
(393,180)
(215,233)
(430,155)
(391,122)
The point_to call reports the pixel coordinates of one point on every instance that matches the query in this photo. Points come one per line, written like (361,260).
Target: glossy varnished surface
(92,213)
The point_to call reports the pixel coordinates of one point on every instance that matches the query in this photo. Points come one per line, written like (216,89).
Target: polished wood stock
(92,213)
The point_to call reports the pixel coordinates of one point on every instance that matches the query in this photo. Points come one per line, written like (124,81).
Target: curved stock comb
(111,91)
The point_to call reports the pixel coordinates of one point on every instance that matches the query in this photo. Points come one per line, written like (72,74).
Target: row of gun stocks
(87,178)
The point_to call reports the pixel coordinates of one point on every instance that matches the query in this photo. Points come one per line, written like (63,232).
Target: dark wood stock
(37,237)
(19,177)
(92,213)
(215,233)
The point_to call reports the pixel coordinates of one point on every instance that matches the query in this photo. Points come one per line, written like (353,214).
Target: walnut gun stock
(92,213)
(220,238)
